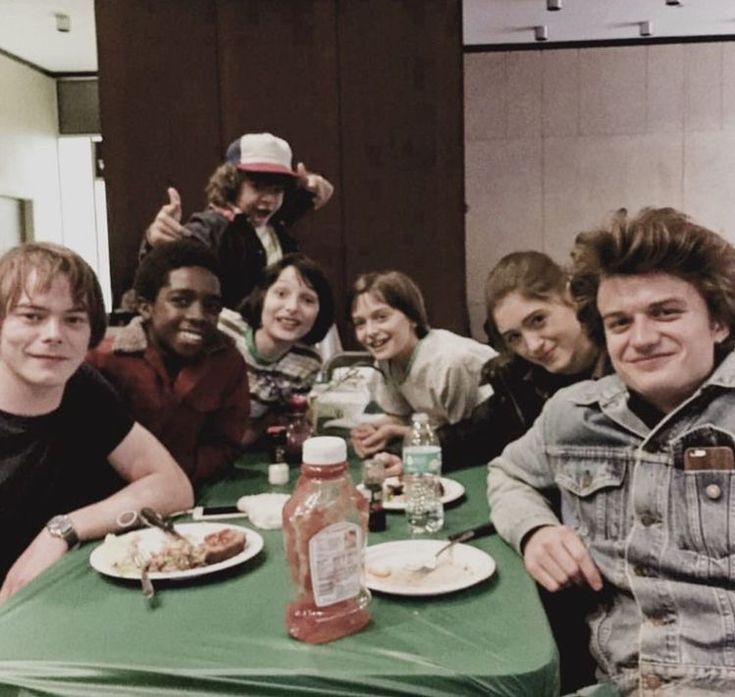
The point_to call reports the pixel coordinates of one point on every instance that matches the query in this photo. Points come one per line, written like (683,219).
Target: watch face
(60,526)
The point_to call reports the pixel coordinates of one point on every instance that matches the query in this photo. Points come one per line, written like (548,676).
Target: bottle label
(422,459)
(335,557)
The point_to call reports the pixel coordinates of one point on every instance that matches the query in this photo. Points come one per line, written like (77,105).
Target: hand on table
(368,439)
(556,557)
(167,226)
(37,557)
(393,464)
(316,184)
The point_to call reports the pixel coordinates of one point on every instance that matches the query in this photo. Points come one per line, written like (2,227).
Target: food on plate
(222,545)
(379,570)
(176,555)
(393,488)
(183,554)
(405,573)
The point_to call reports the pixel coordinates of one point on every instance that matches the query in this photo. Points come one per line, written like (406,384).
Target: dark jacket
(236,245)
(520,390)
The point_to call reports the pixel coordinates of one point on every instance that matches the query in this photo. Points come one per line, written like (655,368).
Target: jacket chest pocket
(592,484)
(702,501)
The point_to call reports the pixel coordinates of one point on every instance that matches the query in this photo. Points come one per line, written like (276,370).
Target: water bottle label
(335,555)
(422,459)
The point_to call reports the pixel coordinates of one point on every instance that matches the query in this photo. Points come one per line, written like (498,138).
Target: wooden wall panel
(402,146)
(368,92)
(159,104)
(278,73)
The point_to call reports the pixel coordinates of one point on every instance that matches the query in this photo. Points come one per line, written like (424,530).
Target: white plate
(352,421)
(460,567)
(453,490)
(115,549)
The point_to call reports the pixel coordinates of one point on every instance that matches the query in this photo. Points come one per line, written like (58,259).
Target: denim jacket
(663,537)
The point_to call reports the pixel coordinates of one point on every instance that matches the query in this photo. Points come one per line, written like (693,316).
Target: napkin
(264,510)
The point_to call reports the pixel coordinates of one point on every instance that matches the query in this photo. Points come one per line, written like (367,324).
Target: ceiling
(28,31)
(28,27)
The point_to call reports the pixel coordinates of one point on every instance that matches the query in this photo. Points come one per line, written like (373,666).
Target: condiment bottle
(373,476)
(298,428)
(276,443)
(325,530)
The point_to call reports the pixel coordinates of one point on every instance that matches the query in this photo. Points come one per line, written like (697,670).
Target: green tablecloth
(75,633)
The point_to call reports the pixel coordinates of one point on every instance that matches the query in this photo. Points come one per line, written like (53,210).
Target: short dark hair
(312,274)
(48,261)
(155,267)
(223,187)
(534,275)
(396,289)
(656,240)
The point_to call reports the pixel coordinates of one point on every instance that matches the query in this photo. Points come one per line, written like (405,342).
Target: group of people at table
(622,484)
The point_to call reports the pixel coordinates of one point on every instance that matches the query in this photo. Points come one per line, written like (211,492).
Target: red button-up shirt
(200,416)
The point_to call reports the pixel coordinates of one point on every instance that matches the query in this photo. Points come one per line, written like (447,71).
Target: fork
(146,585)
(429,561)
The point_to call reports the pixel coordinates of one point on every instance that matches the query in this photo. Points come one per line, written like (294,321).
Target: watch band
(61,526)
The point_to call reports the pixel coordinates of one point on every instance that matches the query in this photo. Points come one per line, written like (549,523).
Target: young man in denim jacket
(643,460)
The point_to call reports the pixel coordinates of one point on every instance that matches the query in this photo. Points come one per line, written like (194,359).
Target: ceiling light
(63,22)
(541,32)
(553,5)
(646,28)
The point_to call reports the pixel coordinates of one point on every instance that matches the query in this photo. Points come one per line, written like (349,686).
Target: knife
(472,533)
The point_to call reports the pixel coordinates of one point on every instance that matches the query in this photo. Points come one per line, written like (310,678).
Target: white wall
(556,139)
(55,174)
(29,162)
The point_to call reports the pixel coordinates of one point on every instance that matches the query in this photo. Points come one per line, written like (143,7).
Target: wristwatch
(60,526)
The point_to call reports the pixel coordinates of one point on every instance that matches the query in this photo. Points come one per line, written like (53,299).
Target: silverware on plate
(146,585)
(428,562)
(155,520)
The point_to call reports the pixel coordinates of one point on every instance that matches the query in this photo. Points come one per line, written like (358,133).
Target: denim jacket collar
(611,393)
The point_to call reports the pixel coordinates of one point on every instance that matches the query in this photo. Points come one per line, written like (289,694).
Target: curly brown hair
(656,240)
(223,187)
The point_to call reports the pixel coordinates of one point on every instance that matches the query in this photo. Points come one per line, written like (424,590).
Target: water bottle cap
(420,416)
(324,450)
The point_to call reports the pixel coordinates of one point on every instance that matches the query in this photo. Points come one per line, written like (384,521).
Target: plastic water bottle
(422,466)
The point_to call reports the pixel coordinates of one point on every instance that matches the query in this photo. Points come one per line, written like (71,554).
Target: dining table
(73,632)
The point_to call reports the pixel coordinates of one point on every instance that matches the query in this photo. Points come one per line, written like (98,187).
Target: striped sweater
(271,383)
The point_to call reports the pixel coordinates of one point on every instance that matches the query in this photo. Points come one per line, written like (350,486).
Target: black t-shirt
(57,462)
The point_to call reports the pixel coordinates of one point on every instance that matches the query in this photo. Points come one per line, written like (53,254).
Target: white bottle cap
(420,416)
(278,474)
(324,450)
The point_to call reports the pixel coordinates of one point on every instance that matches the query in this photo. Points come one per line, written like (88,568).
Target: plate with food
(400,568)
(450,490)
(206,548)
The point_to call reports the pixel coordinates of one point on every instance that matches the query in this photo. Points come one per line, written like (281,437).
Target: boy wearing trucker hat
(253,198)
